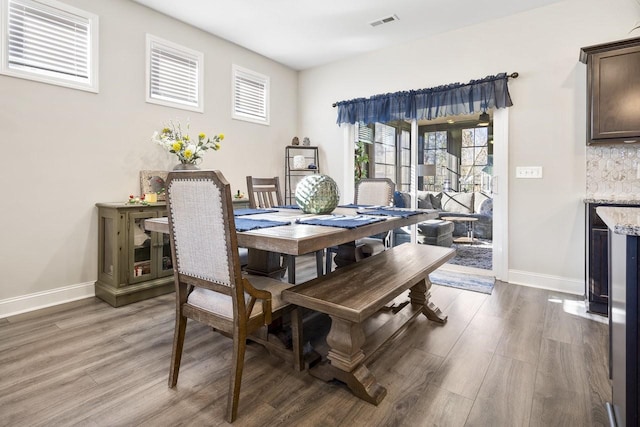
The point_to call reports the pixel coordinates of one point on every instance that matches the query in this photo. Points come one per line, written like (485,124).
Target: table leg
(420,294)
(345,340)
(319,261)
(470,232)
(348,253)
(265,263)
(291,268)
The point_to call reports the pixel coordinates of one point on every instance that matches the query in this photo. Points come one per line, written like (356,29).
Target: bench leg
(345,340)
(420,294)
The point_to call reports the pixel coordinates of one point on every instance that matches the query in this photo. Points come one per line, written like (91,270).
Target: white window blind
(250,96)
(49,41)
(174,75)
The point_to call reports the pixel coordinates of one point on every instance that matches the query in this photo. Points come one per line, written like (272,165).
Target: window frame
(236,71)
(177,49)
(51,6)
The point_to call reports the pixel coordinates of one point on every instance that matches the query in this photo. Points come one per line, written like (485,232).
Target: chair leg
(235,380)
(328,261)
(176,354)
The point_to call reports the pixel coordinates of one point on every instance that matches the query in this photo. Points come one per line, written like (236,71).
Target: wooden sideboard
(134,264)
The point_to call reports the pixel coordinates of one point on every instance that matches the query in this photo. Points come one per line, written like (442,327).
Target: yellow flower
(216,146)
(166,130)
(221,136)
(202,136)
(186,137)
(188,153)
(177,146)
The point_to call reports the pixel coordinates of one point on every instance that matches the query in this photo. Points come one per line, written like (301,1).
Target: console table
(469,223)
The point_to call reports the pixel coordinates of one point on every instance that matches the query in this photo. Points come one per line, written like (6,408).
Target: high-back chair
(264,192)
(210,287)
(376,192)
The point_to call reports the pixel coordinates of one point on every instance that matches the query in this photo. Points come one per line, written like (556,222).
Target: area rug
(469,282)
(478,255)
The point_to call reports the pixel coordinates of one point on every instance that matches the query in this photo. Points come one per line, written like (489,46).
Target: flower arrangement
(187,150)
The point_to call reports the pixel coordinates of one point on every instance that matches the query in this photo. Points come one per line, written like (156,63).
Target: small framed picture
(153,182)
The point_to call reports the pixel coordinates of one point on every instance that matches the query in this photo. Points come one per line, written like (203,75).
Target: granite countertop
(612,201)
(621,220)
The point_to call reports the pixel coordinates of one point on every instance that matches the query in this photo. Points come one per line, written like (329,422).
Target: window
(474,159)
(174,75)
(435,153)
(462,154)
(250,96)
(392,154)
(49,41)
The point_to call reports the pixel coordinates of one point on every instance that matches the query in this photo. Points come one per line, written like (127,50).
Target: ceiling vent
(385,20)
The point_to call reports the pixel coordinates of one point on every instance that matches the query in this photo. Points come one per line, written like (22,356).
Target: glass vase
(185,167)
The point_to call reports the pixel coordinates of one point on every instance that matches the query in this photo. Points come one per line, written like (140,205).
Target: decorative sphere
(317,194)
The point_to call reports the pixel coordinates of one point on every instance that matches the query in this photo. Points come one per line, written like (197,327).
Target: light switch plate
(529,172)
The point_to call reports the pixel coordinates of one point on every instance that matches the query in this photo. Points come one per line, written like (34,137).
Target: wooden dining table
(295,239)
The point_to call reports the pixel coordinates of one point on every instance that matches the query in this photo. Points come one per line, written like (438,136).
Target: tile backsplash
(612,172)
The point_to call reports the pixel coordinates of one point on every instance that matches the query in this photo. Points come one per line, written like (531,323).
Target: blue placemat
(246,224)
(341,221)
(402,213)
(250,211)
(287,207)
(353,205)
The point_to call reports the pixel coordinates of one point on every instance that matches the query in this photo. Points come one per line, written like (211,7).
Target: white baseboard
(545,281)
(38,300)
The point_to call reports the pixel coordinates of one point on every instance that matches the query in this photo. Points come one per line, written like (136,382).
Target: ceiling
(304,34)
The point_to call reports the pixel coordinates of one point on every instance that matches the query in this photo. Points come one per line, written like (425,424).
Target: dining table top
(299,239)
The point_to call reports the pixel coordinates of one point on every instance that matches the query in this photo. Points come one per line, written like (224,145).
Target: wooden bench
(352,294)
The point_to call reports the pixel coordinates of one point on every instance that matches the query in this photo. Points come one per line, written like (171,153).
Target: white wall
(546,124)
(64,149)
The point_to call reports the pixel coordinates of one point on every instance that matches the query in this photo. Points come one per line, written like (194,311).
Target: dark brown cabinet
(613,91)
(597,257)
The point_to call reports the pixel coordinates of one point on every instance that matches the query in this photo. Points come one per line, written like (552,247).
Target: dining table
(296,234)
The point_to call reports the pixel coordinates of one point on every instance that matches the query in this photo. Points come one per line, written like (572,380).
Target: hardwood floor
(518,357)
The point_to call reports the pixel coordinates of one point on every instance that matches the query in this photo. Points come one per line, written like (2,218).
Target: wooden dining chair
(210,287)
(264,192)
(375,192)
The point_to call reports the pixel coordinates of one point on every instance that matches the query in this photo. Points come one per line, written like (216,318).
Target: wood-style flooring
(518,357)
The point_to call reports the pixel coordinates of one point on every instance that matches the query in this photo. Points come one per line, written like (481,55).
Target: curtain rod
(513,75)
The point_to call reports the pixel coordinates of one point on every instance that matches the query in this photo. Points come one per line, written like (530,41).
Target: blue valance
(448,100)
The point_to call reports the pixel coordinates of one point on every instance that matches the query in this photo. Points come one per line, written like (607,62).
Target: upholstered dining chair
(265,193)
(376,192)
(210,287)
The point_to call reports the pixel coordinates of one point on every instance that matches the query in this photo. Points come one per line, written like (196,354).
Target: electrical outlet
(529,172)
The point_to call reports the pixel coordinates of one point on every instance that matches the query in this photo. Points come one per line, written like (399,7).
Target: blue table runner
(287,207)
(402,213)
(353,205)
(341,221)
(251,211)
(246,224)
